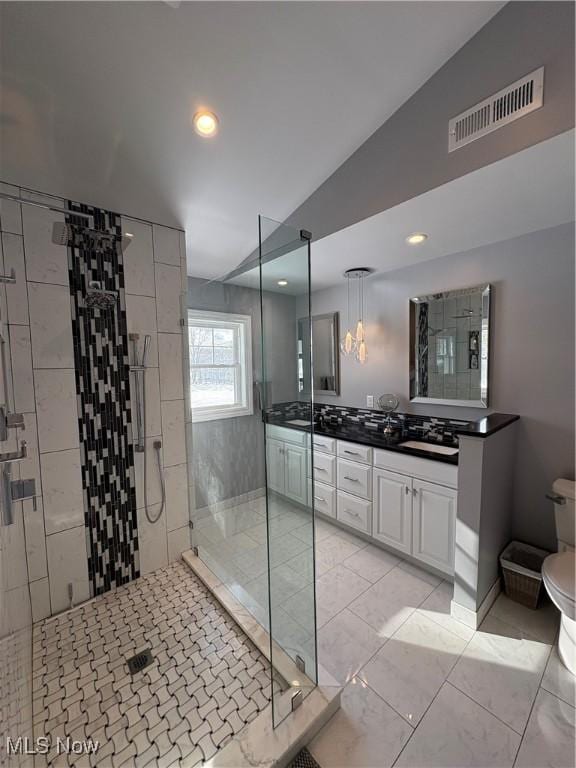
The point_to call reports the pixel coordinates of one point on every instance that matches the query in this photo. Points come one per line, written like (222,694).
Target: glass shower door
(284,258)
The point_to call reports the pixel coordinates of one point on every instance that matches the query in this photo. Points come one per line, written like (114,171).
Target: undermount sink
(419,445)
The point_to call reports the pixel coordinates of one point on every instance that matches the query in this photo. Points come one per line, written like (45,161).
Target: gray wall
(532,353)
(408,155)
(228,454)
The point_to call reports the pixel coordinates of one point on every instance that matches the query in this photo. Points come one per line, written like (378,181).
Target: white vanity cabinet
(287,461)
(392,520)
(275,465)
(434,524)
(406,502)
(415,507)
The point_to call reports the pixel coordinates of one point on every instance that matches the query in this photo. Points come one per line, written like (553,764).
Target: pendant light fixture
(348,343)
(356,343)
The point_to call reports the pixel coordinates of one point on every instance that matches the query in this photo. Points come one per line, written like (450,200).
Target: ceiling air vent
(512,102)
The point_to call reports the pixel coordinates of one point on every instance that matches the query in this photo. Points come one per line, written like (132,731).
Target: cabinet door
(433,525)
(275,465)
(392,509)
(295,485)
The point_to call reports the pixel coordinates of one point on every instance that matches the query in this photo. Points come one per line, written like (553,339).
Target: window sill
(217,415)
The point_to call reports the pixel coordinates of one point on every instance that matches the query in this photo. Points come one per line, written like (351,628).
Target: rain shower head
(63,234)
(98,298)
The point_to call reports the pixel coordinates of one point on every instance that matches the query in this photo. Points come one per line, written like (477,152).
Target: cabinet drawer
(355,512)
(326,444)
(426,469)
(355,452)
(355,478)
(325,468)
(324,498)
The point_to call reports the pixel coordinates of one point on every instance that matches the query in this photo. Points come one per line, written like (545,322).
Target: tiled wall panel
(51,532)
(103,392)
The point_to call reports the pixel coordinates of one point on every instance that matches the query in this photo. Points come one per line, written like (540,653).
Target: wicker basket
(522,571)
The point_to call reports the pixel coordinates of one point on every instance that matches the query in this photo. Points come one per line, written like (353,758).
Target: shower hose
(157,446)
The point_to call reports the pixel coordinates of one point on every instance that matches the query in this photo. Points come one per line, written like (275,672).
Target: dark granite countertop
(365,435)
(488,425)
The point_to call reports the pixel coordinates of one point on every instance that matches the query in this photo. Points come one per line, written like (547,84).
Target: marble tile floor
(206,682)
(421,689)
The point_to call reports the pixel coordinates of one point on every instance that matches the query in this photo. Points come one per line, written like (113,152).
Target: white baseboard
(471,618)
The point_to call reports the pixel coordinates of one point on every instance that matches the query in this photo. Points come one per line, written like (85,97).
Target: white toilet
(559,570)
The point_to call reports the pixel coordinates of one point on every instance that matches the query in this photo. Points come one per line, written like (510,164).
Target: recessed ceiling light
(205,123)
(416,238)
(282,282)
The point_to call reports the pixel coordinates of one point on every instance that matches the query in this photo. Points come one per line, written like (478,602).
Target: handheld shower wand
(139,371)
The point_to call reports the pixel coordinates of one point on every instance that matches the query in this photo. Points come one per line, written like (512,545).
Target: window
(220,365)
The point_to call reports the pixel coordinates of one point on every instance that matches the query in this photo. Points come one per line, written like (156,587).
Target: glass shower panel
(251,507)
(288,416)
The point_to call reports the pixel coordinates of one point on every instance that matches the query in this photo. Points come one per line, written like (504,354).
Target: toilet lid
(560,571)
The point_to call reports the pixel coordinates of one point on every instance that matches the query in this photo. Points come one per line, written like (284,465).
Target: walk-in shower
(90,557)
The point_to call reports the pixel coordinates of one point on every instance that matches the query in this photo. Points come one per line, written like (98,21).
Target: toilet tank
(563,492)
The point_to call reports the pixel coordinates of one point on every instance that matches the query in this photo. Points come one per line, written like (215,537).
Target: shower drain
(140,661)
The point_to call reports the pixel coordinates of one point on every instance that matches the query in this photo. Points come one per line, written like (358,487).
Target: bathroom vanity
(406,502)
(437,497)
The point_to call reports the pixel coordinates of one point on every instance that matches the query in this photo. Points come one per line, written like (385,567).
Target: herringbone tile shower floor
(205,683)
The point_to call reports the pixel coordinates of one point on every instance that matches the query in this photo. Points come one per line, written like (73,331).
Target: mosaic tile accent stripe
(423,349)
(409,423)
(205,683)
(103,393)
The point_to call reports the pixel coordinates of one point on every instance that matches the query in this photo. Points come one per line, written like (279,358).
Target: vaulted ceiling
(97,100)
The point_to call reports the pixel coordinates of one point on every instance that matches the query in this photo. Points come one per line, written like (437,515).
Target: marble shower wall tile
(57,412)
(17,293)
(173,433)
(67,564)
(141,319)
(139,259)
(166,245)
(50,326)
(46,262)
(62,490)
(171,372)
(21,364)
(168,298)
